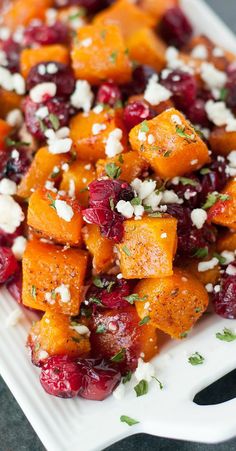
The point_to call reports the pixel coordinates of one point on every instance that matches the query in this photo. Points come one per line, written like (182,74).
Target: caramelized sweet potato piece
(100,247)
(221,141)
(5,129)
(223,212)
(53,221)
(209,276)
(22,12)
(148,247)
(131,166)
(176,150)
(9,101)
(31,57)
(56,334)
(76,180)
(105,57)
(127,16)
(41,170)
(53,277)
(157,8)
(174,303)
(226,242)
(91,146)
(220,62)
(146,47)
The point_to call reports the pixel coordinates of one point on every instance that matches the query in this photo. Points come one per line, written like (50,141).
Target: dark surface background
(16,432)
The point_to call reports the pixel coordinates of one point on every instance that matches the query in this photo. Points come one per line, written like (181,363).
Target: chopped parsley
(128,420)
(126,251)
(184,334)
(201,252)
(141,388)
(204,171)
(95,300)
(112,170)
(76,339)
(112,205)
(181,132)
(198,309)
(196,359)
(134,297)
(113,57)
(144,127)
(145,320)
(222,260)
(127,377)
(98,282)
(187,181)
(136,201)
(155,214)
(100,329)
(52,204)
(167,153)
(223,94)
(119,357)
(11,142)
(227,335)
(212,198)
(33,291)
(159,382)
(121,159)
(54,121)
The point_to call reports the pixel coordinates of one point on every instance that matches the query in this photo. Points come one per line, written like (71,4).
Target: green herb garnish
(212,198)
(134,297)
(227,335)
(112,170)
(196,359)
(126,251)
(100,329)
(54,121)
(128,420)
(222,260)
(187,181)
(11,142)
(201,252)
(119,357)
(159,382)
(136,201)
(141,388)
(181,132)
(33,291)
(144,127)
(204,171)
(127,377)
(113,57)
(53,202)
(145,320)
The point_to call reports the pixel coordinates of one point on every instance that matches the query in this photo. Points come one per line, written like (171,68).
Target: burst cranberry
(14,286)
(136,112)
(111,292)
(111,223)
(225,300)
(8,264)
(63,77)
(12,50)
(183,86)
(188,189)
(16,167)
(215,180)
(140,77)
(101,192)
(196,113)
(66,378)
(46,35)
(175,28)
(109,93)
(56,107)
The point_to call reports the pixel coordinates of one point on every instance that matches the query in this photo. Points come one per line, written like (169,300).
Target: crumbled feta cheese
(15,154)
(48,298)
(231,125)
(18,247)
(49,185)
(51,16)
(200,51)
(82,96)
(174,62)
(14,318)
(18,84)
(218,113)
(209,287)
(164,235)
(6,81)
(143,189)
(144,370)
(87,167)
(52,68)
(218,52)
(125,208)
(176,119)
(155,93)
(170,197)
(64,211)
(142,136)
(58,141)
(13,214)
(193,162)
(119,276)
(86,42)
(119,392)
(198,217)
(15,118)
(81,329)
(64,292)
(210,264)
(42,112)
(42,69)
(228,256)
(138,211)
(217,288)
(98,109)
(231,167)
(97,128)
(151,139)
(7,186)
(5,33)
(153,200)
(42,354)
(113,145)
(231,270)
(212,77)
(71,191)
(65,167)
(38,92)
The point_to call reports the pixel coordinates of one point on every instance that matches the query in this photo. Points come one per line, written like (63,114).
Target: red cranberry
(175,28)
(101,192)
(46,35)
(225,300)
(16,167)
(63,78)
(65,377)
(136,112)
(196,113)
(183,86)
(91,5)
(8,264)
(14,286)
(111,292)
(56,107)
(140,77)
(6,239)
(109,93)
(215,180)
(111,223)
(4,155)
(188,189)
(12,50)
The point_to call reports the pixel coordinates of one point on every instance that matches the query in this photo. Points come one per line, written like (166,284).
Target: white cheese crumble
(13,214)
(64,211)
(38,92)
(176,119)
(164,235)
(153,200)
(52,68)
(7,186)
(210,264)
(143,188)
(200,51)
(64,292)
(58,142)
(42,112)
(170,197)
(212,77)
(82,96)
(144,370)
(151,138)
(198,217)
(12,82)
(42,354)
(155,93)
(125,208)
(218,113)
(15,118)
(14,318)
(71,190)
(142,137)
(81,329)
(113,145)
(231,167)
(218,52)
(209,287)
(229,257)
(98,109)
(18,247)
(231,270)
(97,128)
(86,42)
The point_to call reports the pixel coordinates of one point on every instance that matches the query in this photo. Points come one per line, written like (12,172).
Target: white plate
(80,425)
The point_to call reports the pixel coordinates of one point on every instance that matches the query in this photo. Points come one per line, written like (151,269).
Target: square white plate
(80,425)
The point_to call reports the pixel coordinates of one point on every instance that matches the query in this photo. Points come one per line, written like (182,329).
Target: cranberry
(65,377)
(183,86)
(140,77)
(63,77)
(6,239)
(225,300)
(14,286)
(101,192)
(46,35)
(215,180)
(188,189)
(109,93)
(91,5)
(196,113)
(136,112)
(111,292)
(230,86)
(56,107)
(8,264)
(111,223)
(16,167)
(12,50)
(3,162)
(175,28)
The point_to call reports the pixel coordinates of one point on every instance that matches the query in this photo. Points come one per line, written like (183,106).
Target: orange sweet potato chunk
(148,247)
(127,16)
(48,270)
(31,57)
(174,303)
(9,101)
(90,146)
(43,217)
(105,58)
(221,141)
(176,150)
(145,47)
(100,247)
(55,334)
(223,212)
(131,166)
(22,12)
(209,276)
(5,129)
(41,170)
(76,180)
(220,62)
(157,8)
(226,242)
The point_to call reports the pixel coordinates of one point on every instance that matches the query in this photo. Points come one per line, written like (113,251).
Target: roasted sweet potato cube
(146,47)
(176,148)
(5,130)
(220,61)
(45,166)
(223,212)
(157,8)
(76,180)
(22,12)
(221,141)
(209,276)
(90,132)
(53,277)
(226,242)
(127,16)
(129,166)
(104,58)
(148,247)
(56,217)
(9,101)
(174,303)
(31,57)
(56,334)
(100,247)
